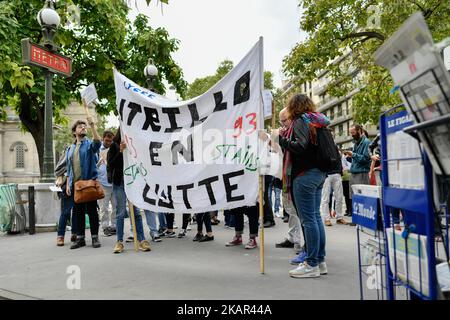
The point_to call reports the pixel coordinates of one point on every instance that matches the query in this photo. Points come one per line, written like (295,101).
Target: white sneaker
(323,268)
(189,228)
(305,271)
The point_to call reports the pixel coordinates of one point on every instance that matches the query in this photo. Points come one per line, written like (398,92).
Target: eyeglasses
(81,126)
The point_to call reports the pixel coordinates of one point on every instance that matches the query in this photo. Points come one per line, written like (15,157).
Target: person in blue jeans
(150,216)
(275,186)
(155,233)
(115,176)
(81,160)
(304,180)
(66,203)
(229,219)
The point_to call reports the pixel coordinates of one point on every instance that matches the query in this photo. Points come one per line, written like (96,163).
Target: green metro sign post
(46,58)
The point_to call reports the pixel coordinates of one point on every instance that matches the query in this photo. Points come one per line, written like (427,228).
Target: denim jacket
(88,160)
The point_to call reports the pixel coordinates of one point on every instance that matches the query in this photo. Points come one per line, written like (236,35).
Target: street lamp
(150,72)
(49,20)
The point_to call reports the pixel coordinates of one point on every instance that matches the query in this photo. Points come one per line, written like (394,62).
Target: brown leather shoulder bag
(88,190)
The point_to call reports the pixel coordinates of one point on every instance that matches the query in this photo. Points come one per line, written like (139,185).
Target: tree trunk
(34,126)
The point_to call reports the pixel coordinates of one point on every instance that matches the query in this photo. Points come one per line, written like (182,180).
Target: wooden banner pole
(133,223)
(261,223)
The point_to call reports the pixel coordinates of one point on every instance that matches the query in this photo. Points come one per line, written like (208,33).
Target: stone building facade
(19,162)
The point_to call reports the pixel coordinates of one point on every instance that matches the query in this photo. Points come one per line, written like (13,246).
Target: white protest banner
(89,94)
(197,155)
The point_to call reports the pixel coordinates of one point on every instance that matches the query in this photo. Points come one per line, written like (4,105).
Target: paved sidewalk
(34,266)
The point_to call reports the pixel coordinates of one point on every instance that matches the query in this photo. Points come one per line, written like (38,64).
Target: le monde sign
(39,56)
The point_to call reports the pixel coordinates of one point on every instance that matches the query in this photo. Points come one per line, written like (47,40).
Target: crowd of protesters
(307,197)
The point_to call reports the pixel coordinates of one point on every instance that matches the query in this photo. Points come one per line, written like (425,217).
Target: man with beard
(359,157)
(82,165)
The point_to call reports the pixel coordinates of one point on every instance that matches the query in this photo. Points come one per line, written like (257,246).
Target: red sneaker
(237,240)
(251,244)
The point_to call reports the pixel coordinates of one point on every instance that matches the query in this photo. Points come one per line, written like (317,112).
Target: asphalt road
(32,266)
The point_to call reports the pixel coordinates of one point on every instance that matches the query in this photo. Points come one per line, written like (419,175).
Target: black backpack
(328,157)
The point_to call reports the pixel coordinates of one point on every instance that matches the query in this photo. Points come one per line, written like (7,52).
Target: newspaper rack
(415,157)
(407,182)
(367,215)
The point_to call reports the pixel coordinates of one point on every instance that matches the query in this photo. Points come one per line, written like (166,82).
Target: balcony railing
(342,138)
(343,118)
(327,103)
(320,88)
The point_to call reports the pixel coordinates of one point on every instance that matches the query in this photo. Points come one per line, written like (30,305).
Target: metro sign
(36,55)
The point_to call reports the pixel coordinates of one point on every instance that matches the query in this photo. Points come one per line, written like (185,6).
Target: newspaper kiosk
(415,176)
(407,196)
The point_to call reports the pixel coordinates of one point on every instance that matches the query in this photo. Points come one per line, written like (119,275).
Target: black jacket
(338,166)
(114,166)
(304,153)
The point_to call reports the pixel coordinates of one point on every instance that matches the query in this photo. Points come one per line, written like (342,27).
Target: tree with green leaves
(104,38)
(201,85)
(334,26)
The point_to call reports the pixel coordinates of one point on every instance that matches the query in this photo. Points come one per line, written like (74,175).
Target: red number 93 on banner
(250,124)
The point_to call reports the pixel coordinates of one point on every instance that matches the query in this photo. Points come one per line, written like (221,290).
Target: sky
(211,31)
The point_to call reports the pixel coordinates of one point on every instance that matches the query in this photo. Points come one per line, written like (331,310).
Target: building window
(322,98)
(341,129)
(339,110)
(332,114)
(304,87)
(19,148)
(20,156)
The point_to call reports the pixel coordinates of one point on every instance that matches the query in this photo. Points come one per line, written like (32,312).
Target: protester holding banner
(115,172)
(214,220)
(82,165)
(150,217)
(305,180)
(204,218)
(294,234)
(252,214)
(184,226)
(170,219)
